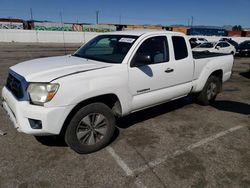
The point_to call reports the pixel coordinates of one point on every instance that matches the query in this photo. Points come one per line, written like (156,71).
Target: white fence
(29,36)
(9,35)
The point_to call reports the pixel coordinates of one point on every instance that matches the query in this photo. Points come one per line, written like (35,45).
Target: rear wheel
(91,128)
(210,91)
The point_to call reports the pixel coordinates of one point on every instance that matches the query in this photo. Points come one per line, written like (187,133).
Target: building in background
(11,23)
(246,33)
(99,28)
(181,29)
(234,33)
(51,26)
(207,31)
(77,27)
(129,27)
(121,27)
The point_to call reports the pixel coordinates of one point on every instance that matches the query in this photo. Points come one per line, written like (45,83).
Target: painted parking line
(133,172)
(120,162)
(124,166)
(202,142)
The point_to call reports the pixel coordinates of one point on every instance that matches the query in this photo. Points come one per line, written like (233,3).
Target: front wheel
(91,128)
(210,91)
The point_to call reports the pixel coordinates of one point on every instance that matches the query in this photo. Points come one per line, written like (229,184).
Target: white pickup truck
(115,74)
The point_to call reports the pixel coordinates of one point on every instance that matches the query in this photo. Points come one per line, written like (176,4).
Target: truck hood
(48,69)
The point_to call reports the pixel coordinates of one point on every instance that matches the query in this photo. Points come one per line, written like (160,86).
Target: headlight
(41,92)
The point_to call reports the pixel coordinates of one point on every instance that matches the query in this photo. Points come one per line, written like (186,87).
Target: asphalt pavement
(177,144)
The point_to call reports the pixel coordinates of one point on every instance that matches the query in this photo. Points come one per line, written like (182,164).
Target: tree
(237,28)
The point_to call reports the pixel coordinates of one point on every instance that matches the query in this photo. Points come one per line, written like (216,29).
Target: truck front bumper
(22,113)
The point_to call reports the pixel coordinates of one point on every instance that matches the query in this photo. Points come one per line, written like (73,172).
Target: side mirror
(217,47)
(140,60)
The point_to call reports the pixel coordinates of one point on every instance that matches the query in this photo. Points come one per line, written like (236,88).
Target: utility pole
(97,17)
(192,21)
(31,14)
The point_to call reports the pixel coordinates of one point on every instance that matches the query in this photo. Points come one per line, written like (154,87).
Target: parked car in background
(198,40)
(193,42)
(243,49)
(230,41)
(217,47)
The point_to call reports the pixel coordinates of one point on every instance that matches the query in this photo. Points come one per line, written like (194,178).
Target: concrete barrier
(31,36)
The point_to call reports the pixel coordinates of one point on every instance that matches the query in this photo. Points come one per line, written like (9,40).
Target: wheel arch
(219,75)
(111,100)
(203,79)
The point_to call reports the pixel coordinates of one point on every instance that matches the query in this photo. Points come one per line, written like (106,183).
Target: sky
(164,12)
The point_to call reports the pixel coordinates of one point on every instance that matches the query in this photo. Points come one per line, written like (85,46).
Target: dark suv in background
(243,49)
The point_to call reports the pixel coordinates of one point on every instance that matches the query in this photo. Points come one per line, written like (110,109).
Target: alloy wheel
(92,128)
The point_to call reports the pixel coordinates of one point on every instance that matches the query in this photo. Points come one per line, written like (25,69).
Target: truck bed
(206,54)
(222,62)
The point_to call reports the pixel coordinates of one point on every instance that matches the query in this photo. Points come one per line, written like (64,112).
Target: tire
(90,129)
(210,91)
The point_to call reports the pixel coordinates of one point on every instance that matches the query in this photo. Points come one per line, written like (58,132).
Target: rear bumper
(20,112)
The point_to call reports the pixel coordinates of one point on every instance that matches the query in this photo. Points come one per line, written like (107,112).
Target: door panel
(155,83)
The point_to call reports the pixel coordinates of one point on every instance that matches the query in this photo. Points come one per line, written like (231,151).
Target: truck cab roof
(140,32)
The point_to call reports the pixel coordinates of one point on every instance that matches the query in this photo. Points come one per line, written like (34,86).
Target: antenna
(62,24)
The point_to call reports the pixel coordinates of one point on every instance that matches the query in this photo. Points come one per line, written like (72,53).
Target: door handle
(169,70)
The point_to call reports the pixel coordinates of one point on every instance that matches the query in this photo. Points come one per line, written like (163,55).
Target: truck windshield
(107,48)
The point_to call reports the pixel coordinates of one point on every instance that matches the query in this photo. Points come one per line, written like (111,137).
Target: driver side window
(155,48)
(225,45)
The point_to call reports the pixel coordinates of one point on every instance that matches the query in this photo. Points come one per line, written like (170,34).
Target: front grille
(15,86)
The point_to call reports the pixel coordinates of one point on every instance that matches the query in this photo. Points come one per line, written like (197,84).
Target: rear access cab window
(180,47)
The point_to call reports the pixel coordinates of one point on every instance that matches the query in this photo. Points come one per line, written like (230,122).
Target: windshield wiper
(77,55)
